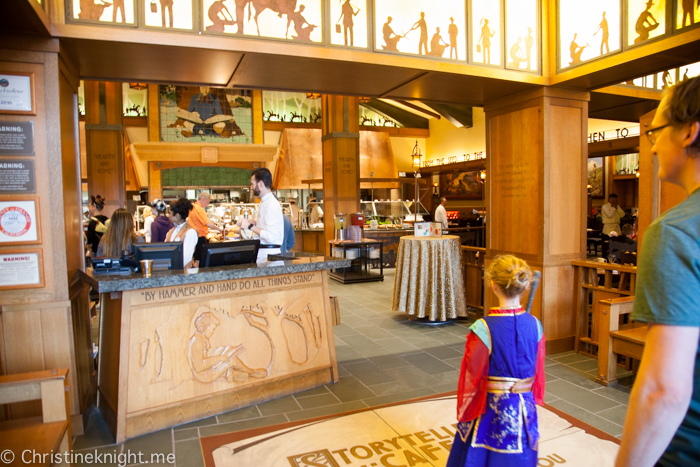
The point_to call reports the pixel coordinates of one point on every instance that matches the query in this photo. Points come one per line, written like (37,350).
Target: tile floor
(383,358)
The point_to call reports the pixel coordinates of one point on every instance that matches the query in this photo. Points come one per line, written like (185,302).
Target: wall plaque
(19,221)
(16,138)
(17,93)
(21,269)
(17,176)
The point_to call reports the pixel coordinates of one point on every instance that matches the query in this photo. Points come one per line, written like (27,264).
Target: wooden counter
(178,347)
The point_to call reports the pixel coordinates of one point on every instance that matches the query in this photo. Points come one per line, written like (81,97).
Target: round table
(429,281)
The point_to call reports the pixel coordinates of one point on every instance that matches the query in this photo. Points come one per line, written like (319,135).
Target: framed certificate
(17,93)
(19,221)
(21,269)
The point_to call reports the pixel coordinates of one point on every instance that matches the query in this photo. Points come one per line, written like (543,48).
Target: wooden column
(258,131)
(655,196)
(536,196)
(105,141)
(341,159)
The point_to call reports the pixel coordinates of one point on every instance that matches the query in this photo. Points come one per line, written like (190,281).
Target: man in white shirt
(269,227)
(612,213)
(315,212)
(294,212)
(441,213)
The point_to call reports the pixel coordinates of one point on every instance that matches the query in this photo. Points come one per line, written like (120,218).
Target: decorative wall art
(522,40)
(687,13)
(486,32)
(587,30)
(297,107)
(349,19)
(422,27)
(279,19)
(646,19)
(104,11)
(200,113)
(135,101)
(596,177)
(465,185)
(176,14)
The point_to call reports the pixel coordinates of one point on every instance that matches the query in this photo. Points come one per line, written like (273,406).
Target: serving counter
(177,347)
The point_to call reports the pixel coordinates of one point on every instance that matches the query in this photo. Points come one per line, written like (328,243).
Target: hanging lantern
(416,156)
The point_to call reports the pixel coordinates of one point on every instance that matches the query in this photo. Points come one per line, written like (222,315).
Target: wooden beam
(614,147)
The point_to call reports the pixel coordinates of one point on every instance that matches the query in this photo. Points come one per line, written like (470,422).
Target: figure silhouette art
(516,54)
(452,31)
(281,7)
(220,17)
(346,13)
(118,7)
(302,27)
(391,39)
(423,41)
(689,12)
(645,24)
(91,10)
(485,40)
(575,51)
(166,4)
(436,48)
(603,26)
(529,42)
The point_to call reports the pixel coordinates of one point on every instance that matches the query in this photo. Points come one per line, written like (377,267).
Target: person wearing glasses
(663,420)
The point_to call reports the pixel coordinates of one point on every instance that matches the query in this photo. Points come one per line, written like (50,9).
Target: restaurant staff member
(315,212)
(182,232)
(441,213)
(612,213)
(97,226)
(200,222)
(269,227)
(294,212)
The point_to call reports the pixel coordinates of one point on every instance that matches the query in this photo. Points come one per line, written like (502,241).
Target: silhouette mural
(588,31)
(175,14)
(646,20)
(281,19)
(487,32)
(420,27)
(521,35)
(688,13)
(350,27)
(114,11)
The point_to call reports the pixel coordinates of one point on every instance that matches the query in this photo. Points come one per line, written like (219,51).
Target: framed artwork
(19,221)
(21,269)
(464,185)
(17,94)
(596,177)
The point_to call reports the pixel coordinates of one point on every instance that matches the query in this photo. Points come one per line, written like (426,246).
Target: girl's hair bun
(510,273)
(158,205)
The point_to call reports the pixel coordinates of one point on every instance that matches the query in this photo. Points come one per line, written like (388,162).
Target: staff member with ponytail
(182,232)
(96,228)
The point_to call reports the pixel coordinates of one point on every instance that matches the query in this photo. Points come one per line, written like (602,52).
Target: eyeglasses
(651,134)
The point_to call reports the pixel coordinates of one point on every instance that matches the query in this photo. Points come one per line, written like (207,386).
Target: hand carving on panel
(270,322)
(209,364)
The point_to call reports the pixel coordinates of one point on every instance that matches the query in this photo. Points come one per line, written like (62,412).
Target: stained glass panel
(280,106)
(646,19)
(168,13)
(116,11)
(587,30)
(280,19)
(349,22)
(487,30)
(423,27)
(522,43)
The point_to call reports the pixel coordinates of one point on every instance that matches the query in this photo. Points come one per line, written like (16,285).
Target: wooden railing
(617,340)
(473,259)
(594,282)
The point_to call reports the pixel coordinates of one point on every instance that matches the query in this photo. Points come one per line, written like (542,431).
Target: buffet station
(182,345)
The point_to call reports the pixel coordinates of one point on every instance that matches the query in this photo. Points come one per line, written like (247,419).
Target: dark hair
(613,195)
(262,174)
(684,105)
(181,206)
(97,201)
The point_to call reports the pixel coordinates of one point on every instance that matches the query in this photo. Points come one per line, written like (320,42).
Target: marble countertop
(288,263)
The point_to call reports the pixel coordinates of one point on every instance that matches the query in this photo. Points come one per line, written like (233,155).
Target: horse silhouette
(281,7)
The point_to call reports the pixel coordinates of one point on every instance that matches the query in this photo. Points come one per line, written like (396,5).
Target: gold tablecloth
(429,279)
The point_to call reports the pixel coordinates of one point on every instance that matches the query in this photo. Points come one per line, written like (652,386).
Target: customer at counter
(96,228)
(148,219)
(119,237)
(161,224)
(269,227)
(441,213)
(200,222)
(612,213)
(182,232)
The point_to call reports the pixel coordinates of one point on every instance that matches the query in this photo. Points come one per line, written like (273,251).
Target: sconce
(435,189)
(637,173)
(416,156)
(482,175)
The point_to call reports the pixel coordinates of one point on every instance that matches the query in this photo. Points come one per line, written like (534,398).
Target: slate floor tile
(317,401)
(189,453)
(282,405)
(587,417)
(427,363)
(580,397)
(349,389)
(368,373)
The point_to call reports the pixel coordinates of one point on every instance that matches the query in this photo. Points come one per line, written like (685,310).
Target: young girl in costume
(502,378)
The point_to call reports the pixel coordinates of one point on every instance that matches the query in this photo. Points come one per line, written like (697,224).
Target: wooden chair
(614,341)
(41,435)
